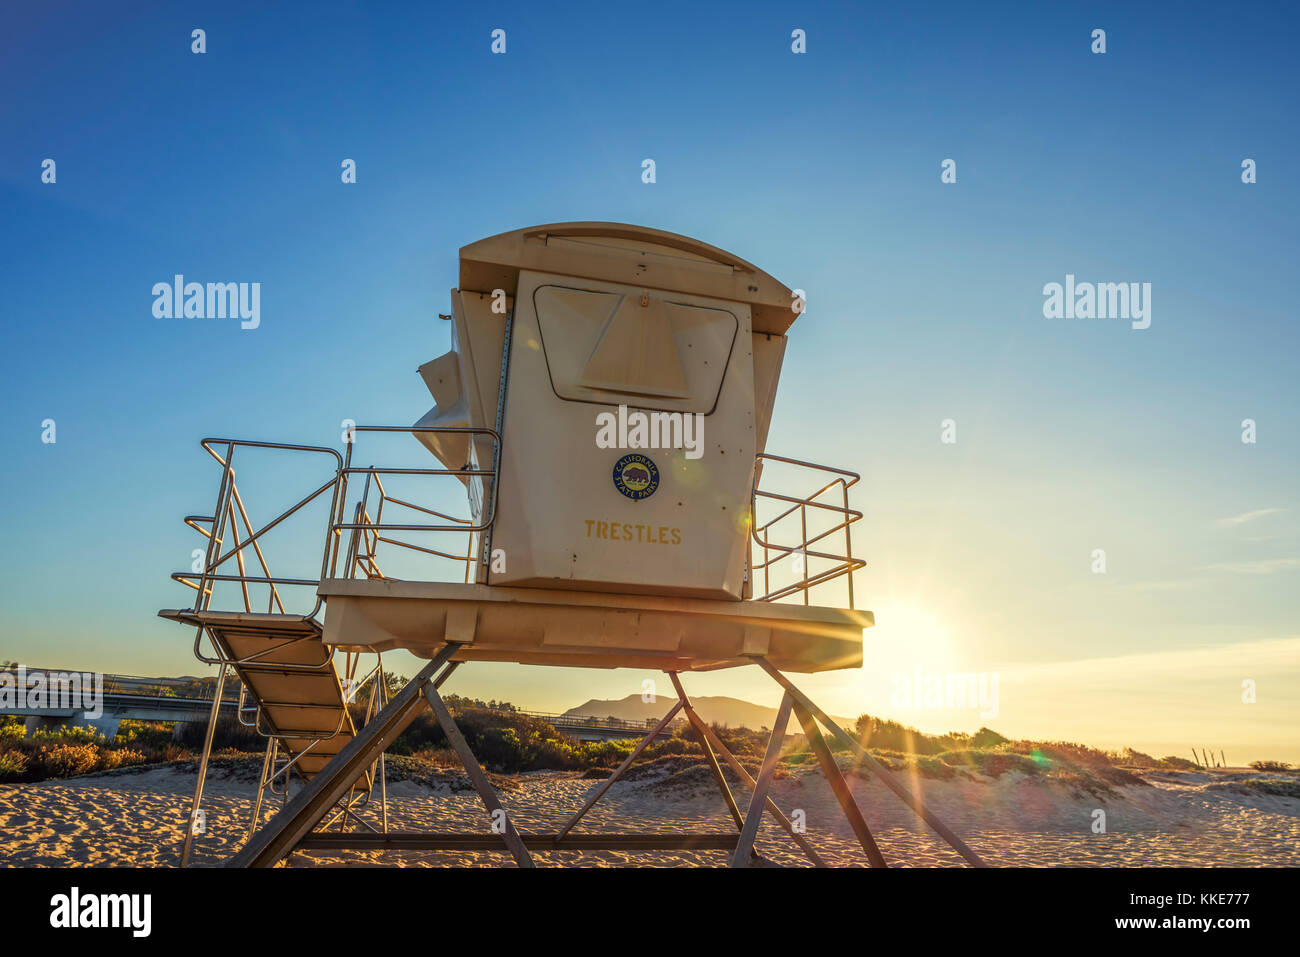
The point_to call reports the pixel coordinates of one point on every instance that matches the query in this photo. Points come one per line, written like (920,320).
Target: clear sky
(925,304)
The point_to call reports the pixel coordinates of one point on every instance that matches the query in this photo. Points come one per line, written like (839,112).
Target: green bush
(69,735)
(61,752)
(13,765)
(14,731)
(229,733)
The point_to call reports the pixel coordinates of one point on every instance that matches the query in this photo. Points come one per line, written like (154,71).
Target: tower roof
(632,255)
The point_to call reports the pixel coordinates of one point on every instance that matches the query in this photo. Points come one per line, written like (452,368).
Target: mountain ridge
(714,709)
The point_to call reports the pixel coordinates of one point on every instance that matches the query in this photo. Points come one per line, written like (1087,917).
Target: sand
(1175,819)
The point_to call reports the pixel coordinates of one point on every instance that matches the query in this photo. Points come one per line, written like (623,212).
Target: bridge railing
(133,686)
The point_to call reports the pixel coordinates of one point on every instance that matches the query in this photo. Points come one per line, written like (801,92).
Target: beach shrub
(1137,759)
(13,765)
(504,742)
(228,733)
(673,745)
(994,764)
(1270,766)
(12,727)
(172,752)
(150,735)
(891,736)
(68,760)
(987,738)
(77,734)
(1280,787)
(67,752)
(120,758)
(604,754)
(1063,751)
(932,766)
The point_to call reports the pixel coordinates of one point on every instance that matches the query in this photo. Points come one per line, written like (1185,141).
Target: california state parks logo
(636,476)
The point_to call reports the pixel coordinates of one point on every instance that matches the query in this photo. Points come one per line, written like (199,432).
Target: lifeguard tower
(603,418)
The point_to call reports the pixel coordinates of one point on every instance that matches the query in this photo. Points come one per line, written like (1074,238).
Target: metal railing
(367,529)
(842,565)
(226,515)
(168,690)
(369,525)
(230,519)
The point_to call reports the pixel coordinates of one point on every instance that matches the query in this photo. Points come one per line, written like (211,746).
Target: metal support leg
(382,688)
(875,766)
(835,779)
(709,756)
(268,765)
(282,833)
(481,784)
(605,785)
(757,802)
(203,764)
(771,805)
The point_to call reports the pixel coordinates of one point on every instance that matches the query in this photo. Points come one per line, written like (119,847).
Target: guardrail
(183,690)
(367,529)
(369,526)
(842,565)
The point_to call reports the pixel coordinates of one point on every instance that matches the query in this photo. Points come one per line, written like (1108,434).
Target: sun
(906,636)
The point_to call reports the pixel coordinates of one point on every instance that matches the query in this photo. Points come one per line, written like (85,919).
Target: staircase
(290,675)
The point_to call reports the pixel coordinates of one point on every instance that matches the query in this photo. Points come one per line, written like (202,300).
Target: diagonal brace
(875,766)
(605,785)
(278,837)
(709,756)
(772,809)
(758,800)
(481,784)
(831,771)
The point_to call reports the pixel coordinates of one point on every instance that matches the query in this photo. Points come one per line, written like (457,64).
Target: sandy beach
(1176,818)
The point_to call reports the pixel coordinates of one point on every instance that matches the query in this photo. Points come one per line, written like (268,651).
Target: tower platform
(584,629)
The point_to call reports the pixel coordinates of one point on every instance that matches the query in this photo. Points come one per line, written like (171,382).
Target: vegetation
(506,740)
(1270,766)
(1281,787)
(67,752)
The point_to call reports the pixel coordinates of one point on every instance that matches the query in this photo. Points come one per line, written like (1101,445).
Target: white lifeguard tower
(604,411)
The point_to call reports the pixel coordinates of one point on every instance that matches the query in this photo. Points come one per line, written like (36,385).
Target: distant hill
(716,709)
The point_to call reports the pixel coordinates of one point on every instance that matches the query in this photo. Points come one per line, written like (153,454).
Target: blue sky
(925,299)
